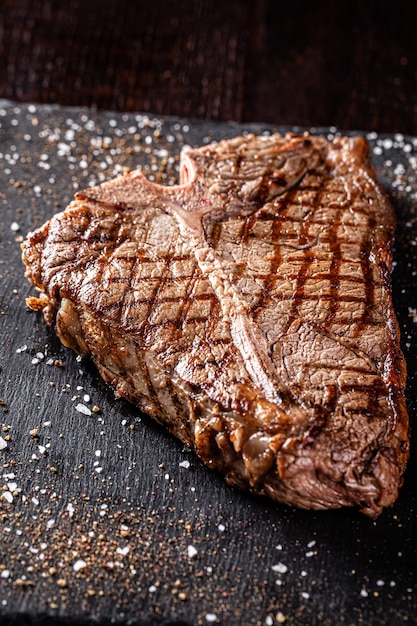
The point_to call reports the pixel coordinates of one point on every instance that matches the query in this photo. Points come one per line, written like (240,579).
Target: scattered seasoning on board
(71,530)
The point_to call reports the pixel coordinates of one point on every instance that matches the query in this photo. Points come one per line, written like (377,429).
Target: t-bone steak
(248,309)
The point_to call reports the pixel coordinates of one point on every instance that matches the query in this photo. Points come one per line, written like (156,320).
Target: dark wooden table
(348,64)
(98,513)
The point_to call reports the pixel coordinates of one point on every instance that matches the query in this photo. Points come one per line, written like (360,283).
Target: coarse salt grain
(8,496)
(280,568)
(192,552)
(79,565)
(211,617)
(81,408)
(70,509)
(3,443)
(185,464)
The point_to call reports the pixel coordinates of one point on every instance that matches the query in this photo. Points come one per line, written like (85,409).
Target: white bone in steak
(248,309)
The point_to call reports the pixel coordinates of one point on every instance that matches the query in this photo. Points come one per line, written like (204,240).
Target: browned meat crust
(247,309)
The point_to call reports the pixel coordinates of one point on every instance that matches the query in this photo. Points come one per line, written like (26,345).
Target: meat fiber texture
(248,309)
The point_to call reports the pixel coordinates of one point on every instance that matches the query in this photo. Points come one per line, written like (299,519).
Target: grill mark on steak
(188,302)
(272,277)
(368,278)
(316,276)
(309,257)
(246,230)
(248,310)
(335,266)
(279,216)
(315,297)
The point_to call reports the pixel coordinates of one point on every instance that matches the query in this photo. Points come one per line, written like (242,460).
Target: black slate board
(105,517)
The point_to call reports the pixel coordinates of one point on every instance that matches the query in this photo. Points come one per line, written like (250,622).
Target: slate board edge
(227,127)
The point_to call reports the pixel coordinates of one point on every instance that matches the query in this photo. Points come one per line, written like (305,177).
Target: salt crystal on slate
(192,552)
(80,564)
(280,568)
(81,408)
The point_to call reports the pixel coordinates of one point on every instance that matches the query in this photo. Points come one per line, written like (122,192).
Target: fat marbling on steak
(248,309)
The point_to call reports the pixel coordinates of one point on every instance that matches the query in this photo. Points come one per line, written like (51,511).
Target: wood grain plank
(353,65)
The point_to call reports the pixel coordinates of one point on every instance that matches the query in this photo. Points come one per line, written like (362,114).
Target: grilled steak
(248,309)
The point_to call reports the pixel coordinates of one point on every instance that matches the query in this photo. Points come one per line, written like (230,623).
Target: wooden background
(350,64)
